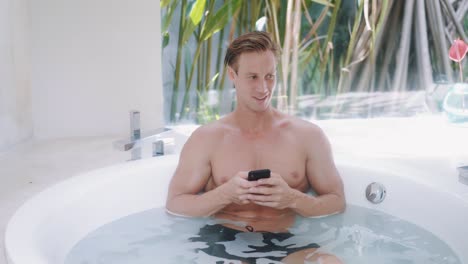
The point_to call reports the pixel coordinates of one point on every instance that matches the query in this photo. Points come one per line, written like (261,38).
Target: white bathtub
(44,229)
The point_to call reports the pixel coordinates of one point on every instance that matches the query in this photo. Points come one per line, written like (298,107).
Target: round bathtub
(45,228)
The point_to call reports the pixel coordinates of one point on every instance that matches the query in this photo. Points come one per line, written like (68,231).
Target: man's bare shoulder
(309,134)
(301,127)
(212,132)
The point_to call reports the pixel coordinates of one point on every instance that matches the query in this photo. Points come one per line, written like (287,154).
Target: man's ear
(231,73)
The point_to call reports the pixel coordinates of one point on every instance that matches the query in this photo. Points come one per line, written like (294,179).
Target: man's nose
(262,87)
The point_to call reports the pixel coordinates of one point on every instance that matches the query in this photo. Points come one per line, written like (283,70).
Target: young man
(211,178)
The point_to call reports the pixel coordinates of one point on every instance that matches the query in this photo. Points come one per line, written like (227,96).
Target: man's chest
(281,154)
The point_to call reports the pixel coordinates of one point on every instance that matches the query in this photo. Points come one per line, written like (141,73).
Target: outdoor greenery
(329,48)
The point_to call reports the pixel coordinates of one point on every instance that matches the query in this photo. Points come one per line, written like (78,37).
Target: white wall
(15,91)
(91,62)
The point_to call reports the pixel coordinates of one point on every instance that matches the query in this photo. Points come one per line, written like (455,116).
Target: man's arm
(323,178)
(192,175)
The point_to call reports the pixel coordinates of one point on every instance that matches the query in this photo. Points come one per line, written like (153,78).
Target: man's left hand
(273,192)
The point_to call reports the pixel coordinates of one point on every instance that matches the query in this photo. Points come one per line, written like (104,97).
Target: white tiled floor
(31,167)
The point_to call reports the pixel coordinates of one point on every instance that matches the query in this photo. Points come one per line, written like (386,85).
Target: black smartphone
(258,174)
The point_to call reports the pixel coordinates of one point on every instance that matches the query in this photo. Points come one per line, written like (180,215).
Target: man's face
(255,80)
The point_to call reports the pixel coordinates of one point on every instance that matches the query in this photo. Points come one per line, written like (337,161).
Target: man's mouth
(261,98)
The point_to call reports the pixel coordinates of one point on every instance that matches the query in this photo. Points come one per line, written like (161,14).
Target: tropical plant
(329,48)
(197,20)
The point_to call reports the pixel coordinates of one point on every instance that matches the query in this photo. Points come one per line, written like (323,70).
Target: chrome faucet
(135,131)
(137,139)
(463,174)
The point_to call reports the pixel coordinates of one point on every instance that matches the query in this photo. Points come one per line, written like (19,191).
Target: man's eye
(270,76)
(253,77)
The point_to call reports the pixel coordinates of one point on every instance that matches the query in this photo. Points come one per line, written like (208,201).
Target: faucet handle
(163,146)
(158,148)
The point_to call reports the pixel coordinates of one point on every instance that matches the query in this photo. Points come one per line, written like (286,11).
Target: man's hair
(256,41)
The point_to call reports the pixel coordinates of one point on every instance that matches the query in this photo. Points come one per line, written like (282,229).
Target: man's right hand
(236,190)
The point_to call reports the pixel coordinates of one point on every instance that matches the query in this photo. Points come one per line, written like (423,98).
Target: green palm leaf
(216,22)
(194,18)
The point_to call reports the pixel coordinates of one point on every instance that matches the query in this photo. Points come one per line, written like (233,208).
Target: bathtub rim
(13,224)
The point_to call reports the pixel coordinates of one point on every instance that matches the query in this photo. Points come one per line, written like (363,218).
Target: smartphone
(258,174)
